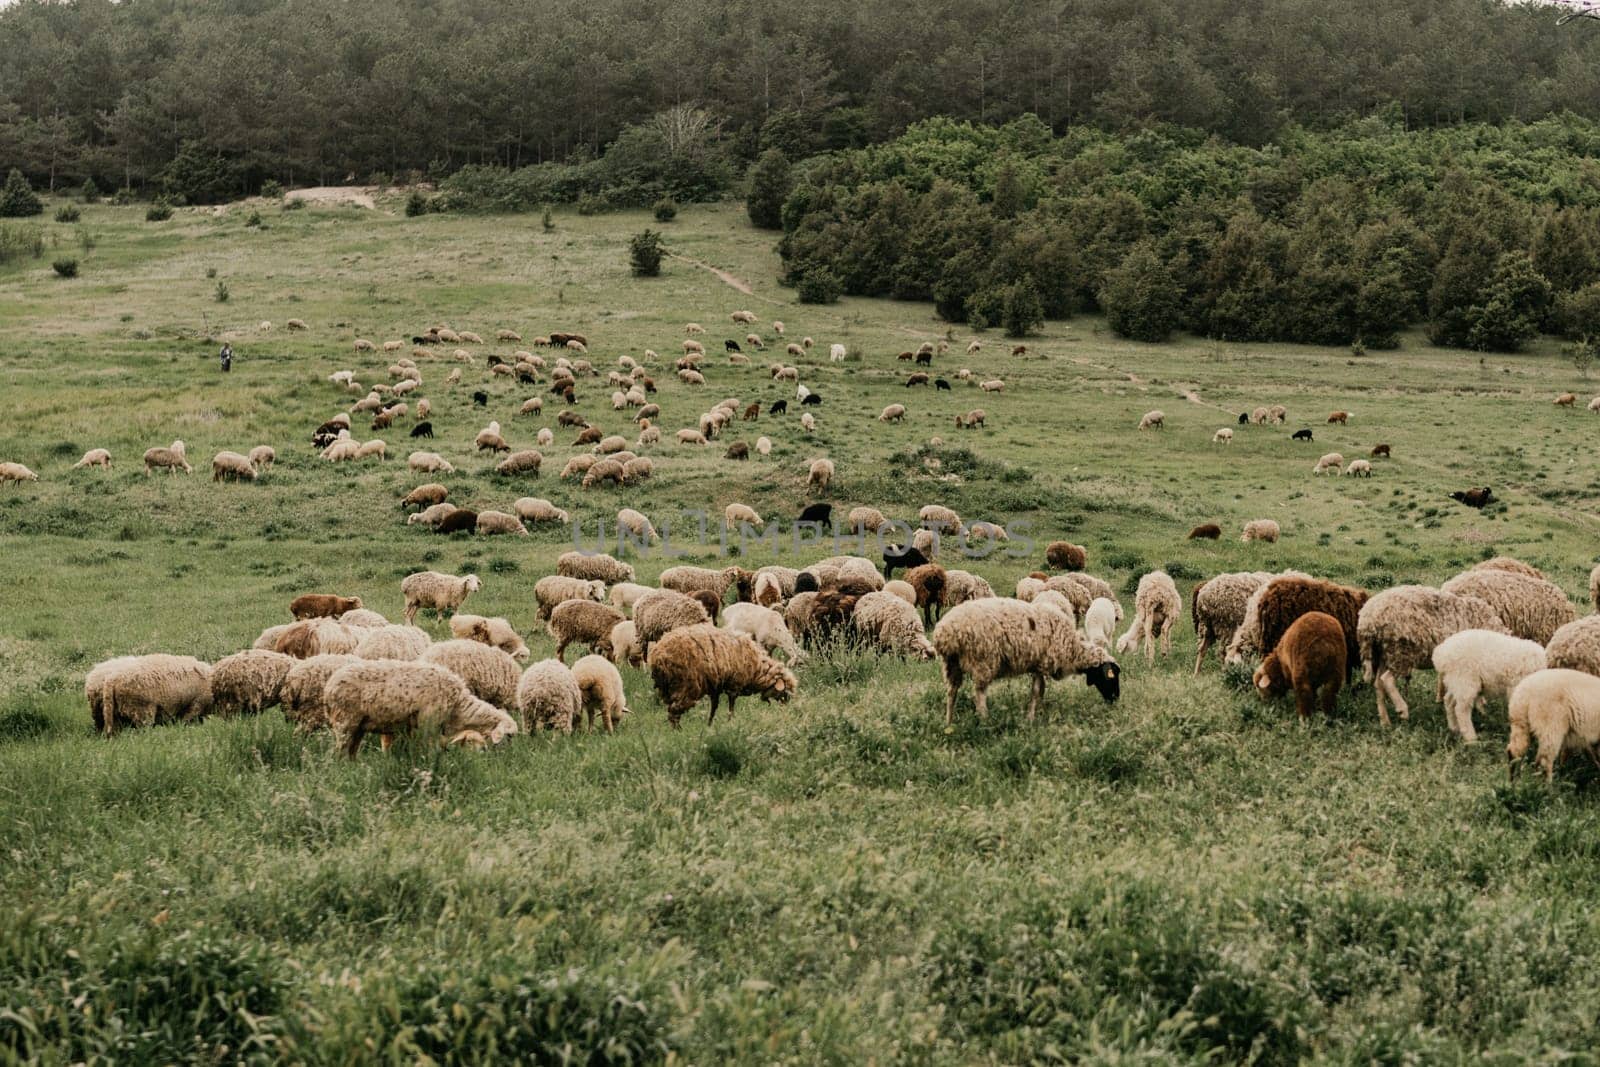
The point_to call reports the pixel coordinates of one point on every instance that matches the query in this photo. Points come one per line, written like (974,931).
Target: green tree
(1020,311)
(819,285)
(770,182)
(1579,313)
(1141,297)
(200,174)
(1514,305)
(645,254)
(17,199)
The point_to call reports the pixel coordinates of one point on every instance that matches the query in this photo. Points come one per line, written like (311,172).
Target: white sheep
(836,353)
(891,624)
(95,457)
(1331,461)
(1156,607)
(393,642)
(638,524)
(1099,623)
(495,631)
(147,691)
(302,694)
(595,566)
(1399,628)
(1561,710)
(248,682)
(600,685)
(172,459)
(263,456)
(491,674)
(231,466)
(429,463)
(992,639)
(892,413)
(548,696)
(1260,530)
(1359,468)
(442,593)
(386,698)
(1476,665)
(1153,420)
(537,509)
(1223,436)
(821,475)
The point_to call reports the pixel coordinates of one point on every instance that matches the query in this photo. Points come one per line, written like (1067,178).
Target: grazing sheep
(962,586)
(700,661)
(1065,556)
(1478,497)
(994,385)
(1091,586)
(147,691)
(1475,665)
(372,448)
(903,590)
(1331,461)
(95,457)
(1399,628)
(624,595)
(600,685)
(1100,622)
(460,520)
(432,516)
(231,466)
(1566,400)
(836,353)
(1217,608)
(524,461)
(537,509)
(301,694)
(625,645)
(1511,564)
(993,639)
(1222,436)
(735,515)
(1284,598)
(553,590)
(661,611)
(821,475)
(604,470)
(390,698)
(691,579)
(499,522)
(491,674)
(578,466)
(248,682)
(171,458)
(429,463)
(892,413)
(296,324)
(1530,608)
(866,520)
(316,637)
(766,627)
(1153,420)
(393,642)
(1359,468)
(595,566)
(442,593)
(1340,417)
(940,518)
(322,605)
(891,624)
(637,524)
(1301,435)
(1209,531)
(1380,450)
(1309,658)
(1156,607)
(497,632)
(987,531)
(1561,710)
(362,619)
(637,470)
(1260,530)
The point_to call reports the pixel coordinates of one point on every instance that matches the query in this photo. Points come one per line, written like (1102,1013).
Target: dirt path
(733,281)
(351,195)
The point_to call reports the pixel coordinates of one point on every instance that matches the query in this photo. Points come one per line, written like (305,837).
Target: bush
(819,285)
(590,204)
(770,183)
(644,253)
(222,292)
(416,204)
(548,221)
(666,209)
(254,219)
(17,198)
(122,197)
(1582,354)
(19,241)
(90,191)
(272,189)
(199,174)
(159,211)
(294,204)
(66,268)
(68,213)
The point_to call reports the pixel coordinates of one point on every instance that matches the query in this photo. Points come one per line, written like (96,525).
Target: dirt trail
(353,195)
(733,281)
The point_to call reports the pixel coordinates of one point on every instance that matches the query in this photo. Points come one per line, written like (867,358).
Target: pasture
(1184,876)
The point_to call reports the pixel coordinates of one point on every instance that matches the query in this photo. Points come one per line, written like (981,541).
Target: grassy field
(1185,876)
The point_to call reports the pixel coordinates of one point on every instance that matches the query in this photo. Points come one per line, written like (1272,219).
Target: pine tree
(17,199)
(769,188)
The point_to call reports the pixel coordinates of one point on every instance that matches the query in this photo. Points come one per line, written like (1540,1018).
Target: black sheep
(778,407)
(1302,435)
(1244,419)
(494,360)
(811,400)
(896,556)
(821,514)
(806,582)
(940,383)
(458,520)
(1474,498)
(732,346)
(925,359)
(422,429)
(481,398)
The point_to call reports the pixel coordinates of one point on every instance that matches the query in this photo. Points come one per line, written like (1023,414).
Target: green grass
(1184,876)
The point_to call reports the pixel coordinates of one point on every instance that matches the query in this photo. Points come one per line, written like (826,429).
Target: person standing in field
(226,357)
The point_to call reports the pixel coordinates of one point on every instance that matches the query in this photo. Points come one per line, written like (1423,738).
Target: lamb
(433,516)
(95,457)
(443,593)
(892,413)
(1399,628)
(1260,530)
(553,590)
(600,685)
(764,445)
(821,475)
(536,509)
(1331,461)
(232,466)
(1566,400)
(393,642)
(429,463)
(322,605)
(1223,436)
(523,461)
(1099,623)
(766,626)
(1283,599)
(387,698)
(624,595)
(1531,608)
(171,458)
(1217,608)
(625,644)
(703,661)
(148,691)
(1153,420)
(891,624)
(585,621)
(499,522)
(490,673)
(1475,665)
(261,457)
(496,632)
(594,566)
(993,639)
(316,637)
(692,579)
(661,611)
(372,448)
(735,515)
(1156,607)
(1359,468)
(1559,708)
(1309,658)
(1065,556)
(301,693)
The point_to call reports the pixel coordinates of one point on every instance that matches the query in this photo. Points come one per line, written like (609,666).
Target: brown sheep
(1340,417)
(1287,598)
(1065,556)
(1380,450)
(1209,531)
(322,605)
(708,600)
(703,661)
(586,622)
(928,582)
(1566,400)
(737,450)
(1310,657)
(752,412)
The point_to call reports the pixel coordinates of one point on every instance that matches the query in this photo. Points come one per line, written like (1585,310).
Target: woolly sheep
(939,517)
(233,466)
(962,586)
(585,621)
(263,456)
(1260,530)
(148,691)
(393,642)
(637,469)
(1065,556)
(1223,436)
(892,413)
(432,516)
(690,579)
(993,639)
(703,661)
(490,673)
(892,625)
(593,566)
(429,463)
(301,694)
(323,605)
(523,461)
(548,697)
(993,385)
(390,698)
(1217,608)
(624,595)
(372,448)
(1561,710)
(497,632)
(866,520)
(171,458)
(362,619)
(1269,613)
(443,593)
(1099,623)
(500,522)
(1530,608)
(553,590)
(95,457)
(661,611)
(537,509)
(1153,420)
(808,422)
(316,637)
(1310,657)
(1576,646)
(904,590)
(601,687)
(821,475)
(425,495)
(637,524)
(248,682)
(1156,607)
(578,465)
(1332,461)
(836,353)
(1359,468)
(1476,665)
(1399,628)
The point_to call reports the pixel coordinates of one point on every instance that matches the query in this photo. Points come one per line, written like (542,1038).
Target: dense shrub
(819,285)
(666,209)
(90,191)
(769,188)
(68,213)
(272,189)
(17,198)
(158,211)
(416,204)
(200,174)
(644,254)
(65,268)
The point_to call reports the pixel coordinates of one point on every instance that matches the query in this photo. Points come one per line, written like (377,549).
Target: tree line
(211,98)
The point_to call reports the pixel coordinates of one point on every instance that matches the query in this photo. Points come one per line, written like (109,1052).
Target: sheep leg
(1150,641)
(1463,724)
(1035,695)
(1330,698)
(1166,640)
(1200,656)
(1305,695)
(731,699)
(352,743)
(952,681)
(561,651)
(1383,711)
(411,613)
(1400,705)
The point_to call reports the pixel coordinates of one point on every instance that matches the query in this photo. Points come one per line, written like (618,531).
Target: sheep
(387,698)
(342,449)
(496,632)
(821,475)
(322,605)
(993,385)
(361,619)
(866,520)
(1530,607)
(993,639)
(690,579)
(95,457)
(962,586)
(1156,608)
(1359,468)
(1340,417)
(537,509)
(1561,710)
(1283,598)
(836,353)
(315,637)
(1277,414)
(1260,530)
(891,624)
(625,644)
(1331,461)
(892,413)
(523,461)
(637,470)
(904,590)
(296,324)
(1208,531)
(938,517)
(372,448)
(1478,497)
(578,466)
(460,520)
(553,590)
(1065,556)
(663,610)
(261,457)
(1566,400)
(301,694)
(1475,665)
(1399,628)
(600,685)
(703,661)
(1153,420)
(393,642)
(429,463)
(1217,608)
(1223,436)
(499,522)
(548,696)
(1310,657)
(148,691)
(491,673)
(637,524)
(595,566)
(766,627)
(489,439)
(1099,623)
(1380,450)
(443,593)
(171,458)
(248,682)
(232,466)
(432,516)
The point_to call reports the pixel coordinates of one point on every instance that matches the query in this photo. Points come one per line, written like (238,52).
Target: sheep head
(1106,679)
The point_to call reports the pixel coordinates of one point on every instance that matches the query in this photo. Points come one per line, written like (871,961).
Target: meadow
(1184,876)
